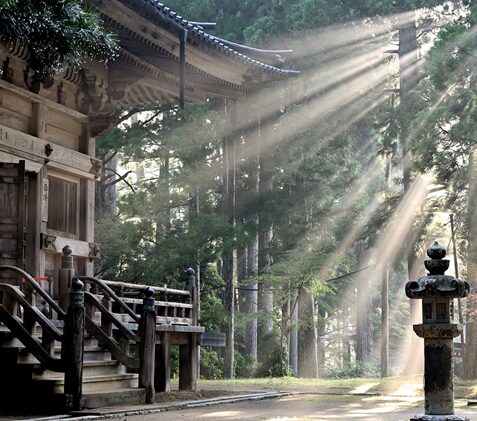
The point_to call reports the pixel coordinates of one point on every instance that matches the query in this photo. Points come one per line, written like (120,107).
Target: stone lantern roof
(435,283)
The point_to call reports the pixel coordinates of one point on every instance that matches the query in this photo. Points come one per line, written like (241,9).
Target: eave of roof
(225,47)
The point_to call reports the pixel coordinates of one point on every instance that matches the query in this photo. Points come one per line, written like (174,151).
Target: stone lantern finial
(436,266)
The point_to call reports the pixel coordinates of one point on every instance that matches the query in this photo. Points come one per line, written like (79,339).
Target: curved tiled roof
(200,35)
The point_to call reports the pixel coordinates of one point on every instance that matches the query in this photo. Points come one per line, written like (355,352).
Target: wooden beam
(41,100)
(55,243)
(24,145)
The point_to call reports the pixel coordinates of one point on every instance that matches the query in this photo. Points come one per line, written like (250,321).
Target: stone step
(107,397)
(90,368)
(91,353)
(93,383)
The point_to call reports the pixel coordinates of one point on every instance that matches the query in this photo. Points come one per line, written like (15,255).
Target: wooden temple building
(47,189)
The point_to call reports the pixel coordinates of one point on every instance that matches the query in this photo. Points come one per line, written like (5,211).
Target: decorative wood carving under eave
(97,99)
(102,123)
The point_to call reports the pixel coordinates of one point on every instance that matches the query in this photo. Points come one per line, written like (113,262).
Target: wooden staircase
(105,381)
(34,347)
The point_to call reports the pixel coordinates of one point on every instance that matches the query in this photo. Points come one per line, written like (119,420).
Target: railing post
(67,273)
(106,324)
(29,321)
(147,349)
(73,347)
(191,286)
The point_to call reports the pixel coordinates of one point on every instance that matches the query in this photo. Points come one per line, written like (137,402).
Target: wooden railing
(172,306)
(117,342)
(121,306)
(129,317)
(35,287)
(23,325)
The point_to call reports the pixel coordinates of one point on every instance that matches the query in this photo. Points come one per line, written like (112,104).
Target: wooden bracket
(47,241)
(95,167)
(94,251)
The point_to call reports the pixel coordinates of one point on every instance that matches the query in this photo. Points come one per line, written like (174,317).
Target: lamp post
(436,291)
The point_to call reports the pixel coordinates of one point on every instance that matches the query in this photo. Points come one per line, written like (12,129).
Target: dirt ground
(308,407)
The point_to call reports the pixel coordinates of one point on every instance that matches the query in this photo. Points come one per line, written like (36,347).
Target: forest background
(305,209)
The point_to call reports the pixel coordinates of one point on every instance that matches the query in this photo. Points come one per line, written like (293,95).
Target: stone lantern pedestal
(436,291)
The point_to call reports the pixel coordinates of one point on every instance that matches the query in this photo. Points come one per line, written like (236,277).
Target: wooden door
(13,188)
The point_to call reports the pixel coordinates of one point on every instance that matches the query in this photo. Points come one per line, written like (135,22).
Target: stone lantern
(437,291)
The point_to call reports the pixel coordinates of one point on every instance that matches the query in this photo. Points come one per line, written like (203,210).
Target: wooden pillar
(162,381)
(73,347)
(147,348)
(188,364)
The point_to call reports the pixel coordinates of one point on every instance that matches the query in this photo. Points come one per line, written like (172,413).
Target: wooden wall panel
(64,122)
(14,120)
(62,137)
(16,103)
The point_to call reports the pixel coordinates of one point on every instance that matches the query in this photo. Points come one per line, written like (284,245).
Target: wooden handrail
(31,342)
(91,299)
(36,286)
(39,317)
(108,291)
(140,288)
(112,346)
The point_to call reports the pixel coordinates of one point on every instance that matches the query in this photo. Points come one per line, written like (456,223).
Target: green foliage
(58,33)
(211,364)
(244,365)
(356,369)
(259,22)
(444,130)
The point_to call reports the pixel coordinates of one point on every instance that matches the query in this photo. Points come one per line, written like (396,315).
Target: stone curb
(157,408)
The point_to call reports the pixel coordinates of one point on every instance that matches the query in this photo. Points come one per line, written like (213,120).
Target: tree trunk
(293,335)
(470,367)
(241,277)
(364,327)
(385,289)
(321,340)
(228,258)
(385,320)
(265,297)
(252,219)
(163,221)
(106,193)
(408,78)
(251,305)
(346,339)
(307,337)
